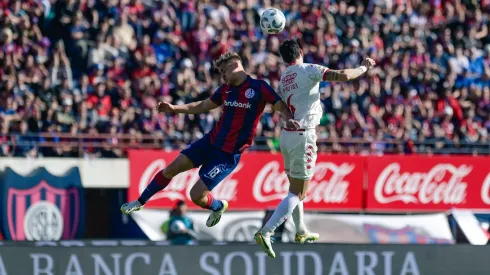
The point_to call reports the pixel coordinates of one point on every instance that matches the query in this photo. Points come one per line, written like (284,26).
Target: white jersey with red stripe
(299,88)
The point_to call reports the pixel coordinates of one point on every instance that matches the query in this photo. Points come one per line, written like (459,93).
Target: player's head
(291,52)
(230,67)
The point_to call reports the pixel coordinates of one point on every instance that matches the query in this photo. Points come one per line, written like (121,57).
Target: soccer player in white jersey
(299,88)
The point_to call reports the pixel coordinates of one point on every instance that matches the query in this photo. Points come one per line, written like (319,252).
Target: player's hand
(292,124)
(368,63)
(165,107)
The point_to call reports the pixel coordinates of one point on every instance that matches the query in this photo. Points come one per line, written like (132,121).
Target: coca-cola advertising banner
(257,183)
(340,182)
(427,183)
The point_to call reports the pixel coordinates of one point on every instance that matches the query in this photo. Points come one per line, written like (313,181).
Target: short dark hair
(290,51)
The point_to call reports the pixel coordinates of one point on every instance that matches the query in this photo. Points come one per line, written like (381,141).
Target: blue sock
(157,183)
(214,204)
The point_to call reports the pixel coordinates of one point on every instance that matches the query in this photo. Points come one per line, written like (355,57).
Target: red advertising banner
(427,183)
(373,183)
(258,182)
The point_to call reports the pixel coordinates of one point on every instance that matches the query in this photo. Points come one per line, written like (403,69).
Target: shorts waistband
(293,130)
(300,129)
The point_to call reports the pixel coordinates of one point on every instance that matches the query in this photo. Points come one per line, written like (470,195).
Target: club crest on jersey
(41,206)
(249,93)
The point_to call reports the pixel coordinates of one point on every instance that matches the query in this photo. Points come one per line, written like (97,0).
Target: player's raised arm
(191,108)
(195,107)
(348,74)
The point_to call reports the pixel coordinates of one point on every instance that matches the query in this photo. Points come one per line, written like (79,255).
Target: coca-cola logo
(442,184)
(485,190)
(328,184)
(180,186)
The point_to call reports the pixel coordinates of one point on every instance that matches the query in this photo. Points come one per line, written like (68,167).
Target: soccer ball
(272,21)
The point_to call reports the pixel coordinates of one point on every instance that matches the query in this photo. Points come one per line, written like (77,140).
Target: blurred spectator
(100,66)
(179,228)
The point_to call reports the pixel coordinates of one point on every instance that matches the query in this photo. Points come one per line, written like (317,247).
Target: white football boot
(131,206)
(307,237)
(215,216)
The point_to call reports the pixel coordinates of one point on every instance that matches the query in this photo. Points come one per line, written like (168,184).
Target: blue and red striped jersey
(242,107)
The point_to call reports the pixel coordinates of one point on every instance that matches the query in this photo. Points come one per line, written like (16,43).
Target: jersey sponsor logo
(249,93)
(238,104)
(288,79)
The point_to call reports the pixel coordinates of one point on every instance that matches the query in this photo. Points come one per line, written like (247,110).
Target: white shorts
(299,151)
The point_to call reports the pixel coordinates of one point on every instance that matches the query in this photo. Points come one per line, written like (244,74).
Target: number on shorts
(214,172)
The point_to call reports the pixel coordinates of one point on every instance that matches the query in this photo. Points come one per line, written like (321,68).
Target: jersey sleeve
(316,72)
(217,97)
(268,94)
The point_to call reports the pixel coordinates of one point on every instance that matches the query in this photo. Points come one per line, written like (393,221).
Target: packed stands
(83,77)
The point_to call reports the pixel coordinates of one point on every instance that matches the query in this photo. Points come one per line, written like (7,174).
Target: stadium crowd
(100,66)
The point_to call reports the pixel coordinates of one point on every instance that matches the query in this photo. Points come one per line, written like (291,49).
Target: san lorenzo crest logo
(41,206)
(249,93)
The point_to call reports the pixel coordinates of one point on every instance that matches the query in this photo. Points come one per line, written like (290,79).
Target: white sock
(282,212)
(299,223)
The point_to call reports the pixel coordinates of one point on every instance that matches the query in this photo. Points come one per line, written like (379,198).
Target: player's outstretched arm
(349,74)
(191,108)
(281,107)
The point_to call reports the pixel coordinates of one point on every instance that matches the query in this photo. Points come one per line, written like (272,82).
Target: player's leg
(302,233)
(189,158)
(211,174)
(300,159)
(300,187)
(287,205)
(298,212)
(298,219)
(201,196)
(181,164)
(160,181)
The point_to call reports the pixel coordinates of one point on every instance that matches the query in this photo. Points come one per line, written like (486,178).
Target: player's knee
(168,173)
(198,195)
(298,187)
(299,194)
(198,198)
(171,171)
(180,164)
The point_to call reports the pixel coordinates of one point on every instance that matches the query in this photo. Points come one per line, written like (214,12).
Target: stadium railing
(81,142)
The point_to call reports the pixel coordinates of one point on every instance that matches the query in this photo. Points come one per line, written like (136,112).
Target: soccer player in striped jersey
(243,99)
